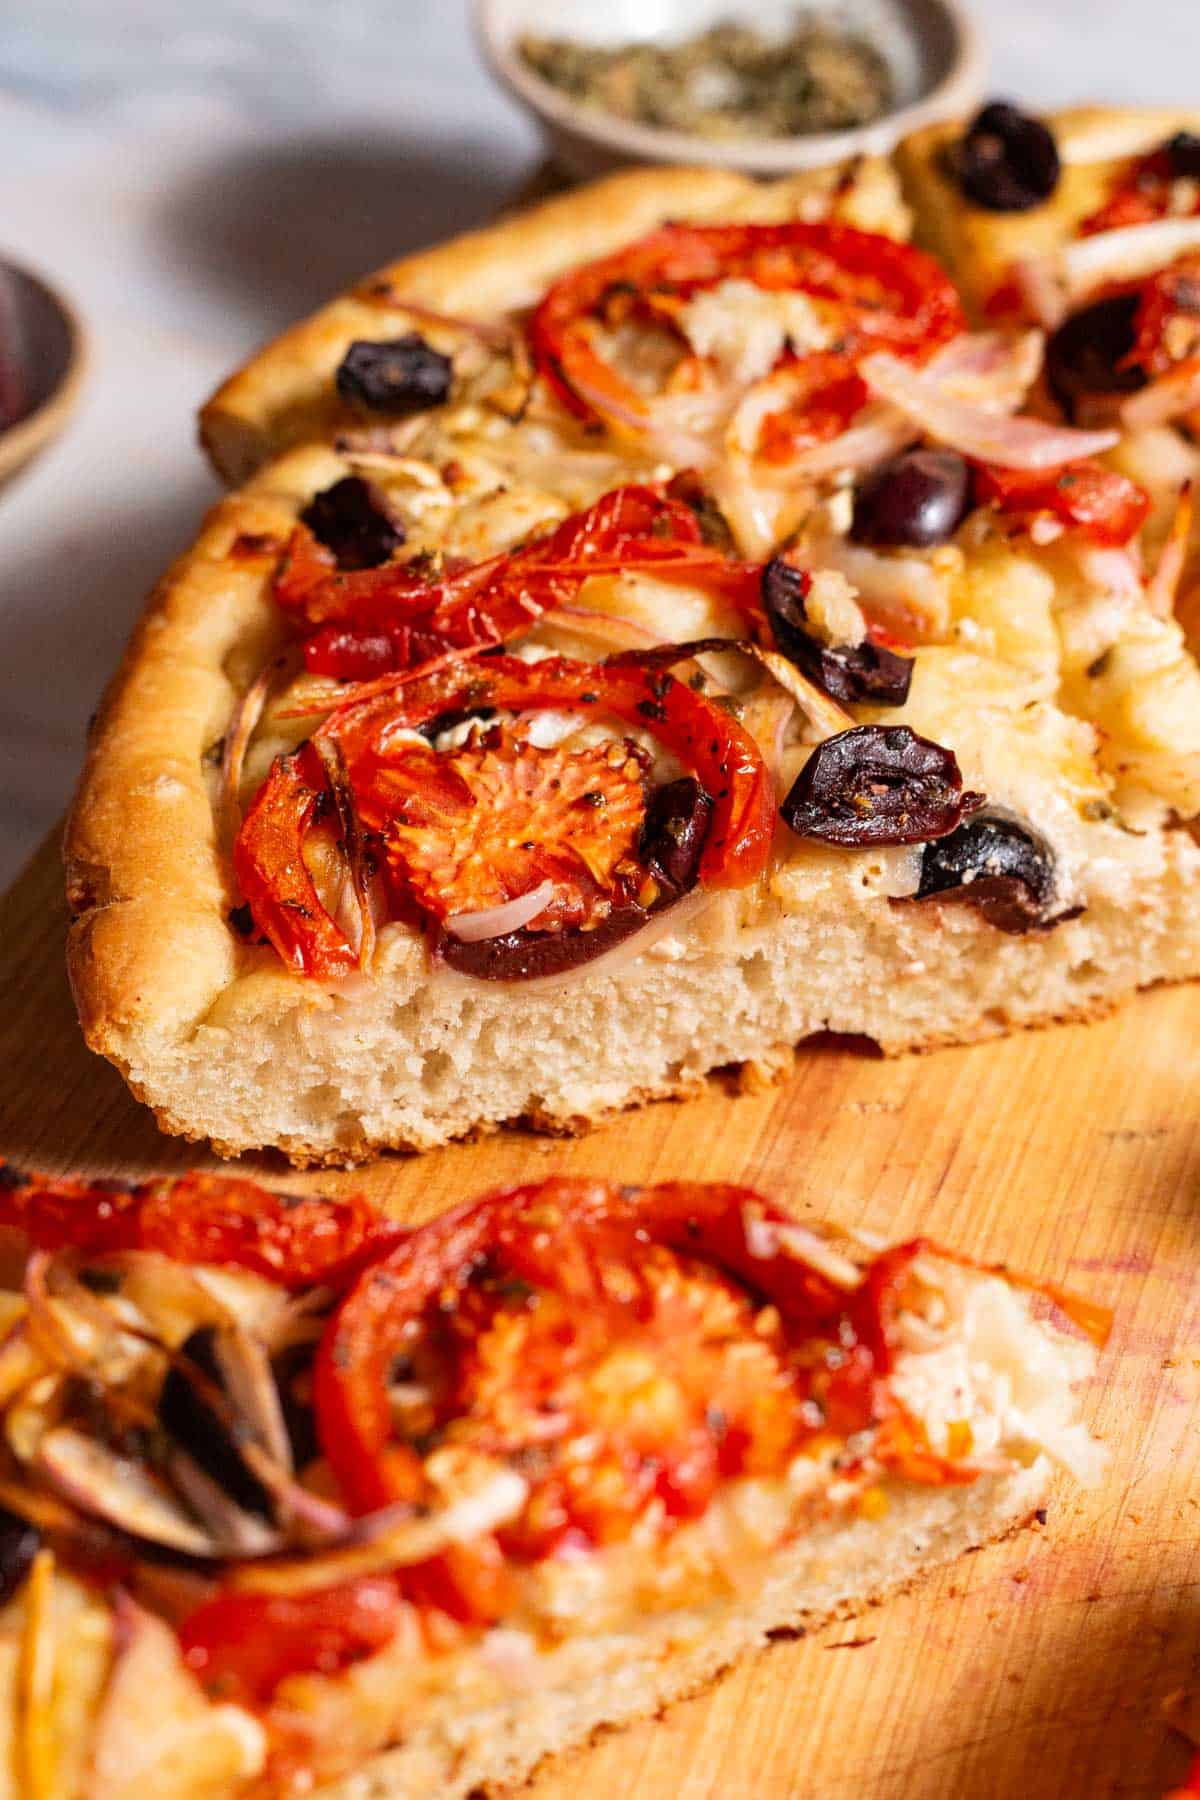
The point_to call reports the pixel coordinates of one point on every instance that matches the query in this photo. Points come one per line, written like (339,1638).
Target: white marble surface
(195,177)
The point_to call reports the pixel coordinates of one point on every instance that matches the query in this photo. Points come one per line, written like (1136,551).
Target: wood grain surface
(1044,1667)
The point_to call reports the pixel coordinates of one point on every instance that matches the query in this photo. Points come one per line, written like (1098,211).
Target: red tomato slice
(703,735)
(268,854)
(268,860)
(399,616)
(882,294)
(291,1239)
(1106,506)
(241,1646)
(1144,191)
(580,1244)
(1167,325)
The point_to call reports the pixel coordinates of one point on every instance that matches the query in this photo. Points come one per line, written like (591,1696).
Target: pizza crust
(285,396)
(834,1572)
(978,247)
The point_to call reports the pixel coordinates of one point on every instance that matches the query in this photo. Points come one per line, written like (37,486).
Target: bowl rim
(959,88)
(26,435)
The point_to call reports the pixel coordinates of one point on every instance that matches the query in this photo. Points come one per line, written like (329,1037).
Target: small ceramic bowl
(931,45)
(41,366)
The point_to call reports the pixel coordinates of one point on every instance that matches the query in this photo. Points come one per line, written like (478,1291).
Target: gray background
(196,176)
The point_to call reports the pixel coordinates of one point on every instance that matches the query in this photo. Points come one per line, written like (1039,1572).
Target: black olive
(1085,356)
(400,375)
(848,672)
(524,955)
(1183,155)
(352,519)
(673,834)
(1007,161)
(196,1428)
(920,497)
(996,863)
(878,784)
(19,1544)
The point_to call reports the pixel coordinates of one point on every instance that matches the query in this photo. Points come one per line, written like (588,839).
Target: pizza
(293,1497)
(654,630)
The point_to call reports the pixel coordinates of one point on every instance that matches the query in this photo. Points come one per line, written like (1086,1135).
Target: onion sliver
(1164,583)
(1170,397)
(1125,254)
(495,921)
(1019,443)
(985,367)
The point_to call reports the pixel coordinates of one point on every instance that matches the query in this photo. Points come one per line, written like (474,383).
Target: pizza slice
(294,1497)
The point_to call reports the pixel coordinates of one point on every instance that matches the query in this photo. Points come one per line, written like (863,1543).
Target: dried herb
(731,81)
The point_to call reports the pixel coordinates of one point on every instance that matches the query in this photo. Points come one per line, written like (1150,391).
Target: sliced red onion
(1125,254)
(497,921)
(1170,397)
(1019,443)
(116,1489)
(998,369)
(1164,583)
(880,431)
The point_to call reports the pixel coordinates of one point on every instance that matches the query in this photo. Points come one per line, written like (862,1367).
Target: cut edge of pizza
(412,1509)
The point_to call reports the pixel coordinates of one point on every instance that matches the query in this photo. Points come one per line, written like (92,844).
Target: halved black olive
(878,784)
(847,672)
(673,833)
(19,1544)
(1183,155)
(997,863)
(1085,357)
(352,519)
(920,498)
(400,375)
(525,955)
(196,1427)
(1007,161)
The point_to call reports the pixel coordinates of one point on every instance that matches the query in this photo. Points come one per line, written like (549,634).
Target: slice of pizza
(294,1497)
(715,647)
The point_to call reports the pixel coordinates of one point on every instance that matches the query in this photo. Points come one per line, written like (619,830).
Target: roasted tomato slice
(268,854)
(1167,322)
(500,817)
(241,1646)
(403,614)
(268,860)
(1149,188)
(875,292)
(292,1239)
(1105,505)
(618,1345)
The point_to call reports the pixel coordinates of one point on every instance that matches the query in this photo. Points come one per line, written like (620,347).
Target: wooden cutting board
(1046,1666)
